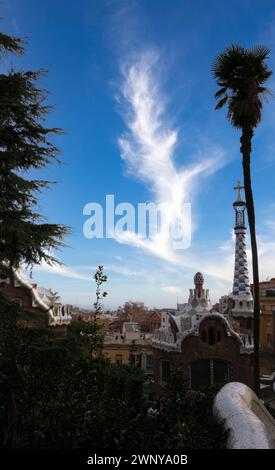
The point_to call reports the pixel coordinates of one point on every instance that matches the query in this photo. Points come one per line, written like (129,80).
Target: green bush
(55,395)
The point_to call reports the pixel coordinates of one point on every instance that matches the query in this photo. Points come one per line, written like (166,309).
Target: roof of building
(187,320)
(43,298)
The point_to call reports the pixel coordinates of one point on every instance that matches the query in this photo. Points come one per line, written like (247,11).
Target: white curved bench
(249,424)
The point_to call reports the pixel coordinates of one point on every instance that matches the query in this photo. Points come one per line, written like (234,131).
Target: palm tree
(241,74)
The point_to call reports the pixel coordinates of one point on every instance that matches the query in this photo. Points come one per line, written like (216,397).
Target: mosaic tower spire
(241,293)
(241,285)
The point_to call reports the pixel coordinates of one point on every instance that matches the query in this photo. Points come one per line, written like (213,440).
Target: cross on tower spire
(239,188)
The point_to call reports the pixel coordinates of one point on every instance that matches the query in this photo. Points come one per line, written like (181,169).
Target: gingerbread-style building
(15,287)
(206,346)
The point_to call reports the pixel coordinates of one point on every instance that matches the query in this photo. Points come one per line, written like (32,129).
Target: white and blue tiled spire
(241,285)
(241,293)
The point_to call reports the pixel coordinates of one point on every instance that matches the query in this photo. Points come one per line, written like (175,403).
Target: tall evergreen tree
(241,75)
(25,144)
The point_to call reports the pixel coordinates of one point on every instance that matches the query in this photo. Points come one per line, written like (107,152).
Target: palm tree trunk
(246,140)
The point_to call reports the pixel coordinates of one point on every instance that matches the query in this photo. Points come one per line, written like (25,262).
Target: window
(269,338)
(211,336)
(149,362)
(118,359)
(204,336)
(200,374)
(268,322)
(138,360)
(209,372)
(220,372)
(165,370)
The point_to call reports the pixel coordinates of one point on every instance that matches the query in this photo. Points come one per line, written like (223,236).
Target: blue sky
(127,77)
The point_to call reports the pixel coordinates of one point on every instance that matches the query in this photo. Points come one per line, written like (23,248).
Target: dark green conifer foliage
(25,144)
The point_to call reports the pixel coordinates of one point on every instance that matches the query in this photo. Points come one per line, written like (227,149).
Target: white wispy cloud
(148,150)
(159,245)
(172,290)
(62,270)
(270,225)
(125,271)
(14,24)
(80,272)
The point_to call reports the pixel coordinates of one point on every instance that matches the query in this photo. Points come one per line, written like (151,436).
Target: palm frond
(260,52)
(264,76)
(263,90)
(231,57)
(220,104)
(220,92)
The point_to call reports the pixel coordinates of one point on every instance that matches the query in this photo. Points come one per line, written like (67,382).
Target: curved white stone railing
(249,424)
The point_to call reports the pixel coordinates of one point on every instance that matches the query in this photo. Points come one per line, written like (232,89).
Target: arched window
(204,336)
(165,370)
(211,336)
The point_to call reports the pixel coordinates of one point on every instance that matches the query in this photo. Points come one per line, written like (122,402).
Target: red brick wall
(193,349)
(155,321)
(10,292)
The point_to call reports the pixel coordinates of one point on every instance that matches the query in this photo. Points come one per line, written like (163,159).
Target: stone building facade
(202,345)
(206,346)
(131,347)
(267,326)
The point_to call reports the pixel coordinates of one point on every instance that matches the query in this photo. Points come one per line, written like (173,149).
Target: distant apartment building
(131,347)
(148,320)
(267,326)
(88,316)
(267,303)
